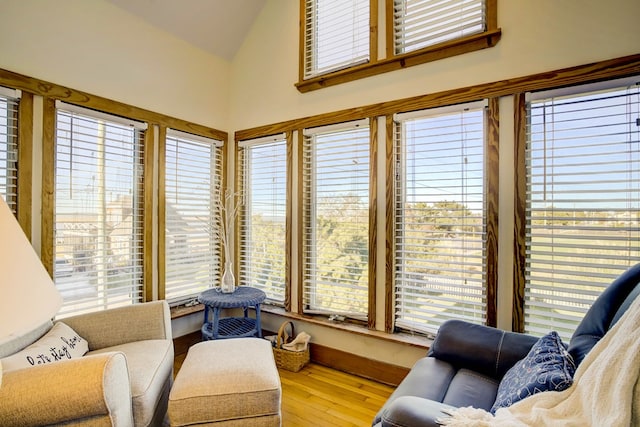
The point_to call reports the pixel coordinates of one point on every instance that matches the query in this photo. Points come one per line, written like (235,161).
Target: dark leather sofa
(466,362)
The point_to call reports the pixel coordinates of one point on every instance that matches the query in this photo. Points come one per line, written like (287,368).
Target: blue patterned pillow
(547,367)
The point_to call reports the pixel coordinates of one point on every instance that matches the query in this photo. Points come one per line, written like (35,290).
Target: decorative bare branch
(227,211)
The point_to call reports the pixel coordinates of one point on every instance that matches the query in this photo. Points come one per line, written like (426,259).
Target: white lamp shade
(28,296)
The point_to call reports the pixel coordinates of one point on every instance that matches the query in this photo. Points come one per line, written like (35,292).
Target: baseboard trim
(350,363)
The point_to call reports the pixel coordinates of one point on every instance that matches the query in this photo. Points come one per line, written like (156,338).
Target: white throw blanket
(605,391)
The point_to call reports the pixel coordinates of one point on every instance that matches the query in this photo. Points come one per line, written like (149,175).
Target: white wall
(95,47)
(537,36)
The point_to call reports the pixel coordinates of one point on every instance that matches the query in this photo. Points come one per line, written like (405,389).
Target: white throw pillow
(60,343)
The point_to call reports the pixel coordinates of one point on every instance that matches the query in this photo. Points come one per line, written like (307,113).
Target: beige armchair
(124,379)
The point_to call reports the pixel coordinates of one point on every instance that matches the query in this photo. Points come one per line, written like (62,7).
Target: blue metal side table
(231,327)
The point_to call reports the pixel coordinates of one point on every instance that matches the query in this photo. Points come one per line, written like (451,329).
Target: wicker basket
(290,360)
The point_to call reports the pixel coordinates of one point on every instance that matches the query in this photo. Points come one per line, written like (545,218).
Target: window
(336,219)
(336,35)
(421,23)
(440,220)
(263,215)
(9,146)
(339,39)
(98,219)
(193,170)
(583,199)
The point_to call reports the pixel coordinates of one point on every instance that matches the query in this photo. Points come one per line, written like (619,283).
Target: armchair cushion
(137,322)
(150,368)
(60,343)
(96,392)
(547,367)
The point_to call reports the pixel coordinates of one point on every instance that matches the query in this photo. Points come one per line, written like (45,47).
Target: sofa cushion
(547,367)
(428,379)
(470,388)
(58,344)
(149,363)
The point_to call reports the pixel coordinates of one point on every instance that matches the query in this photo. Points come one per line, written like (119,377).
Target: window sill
(183,310)
(445,50)
(401,338)
(418,341)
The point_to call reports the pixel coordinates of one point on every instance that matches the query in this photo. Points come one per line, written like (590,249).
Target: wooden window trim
(288,224)
(492,177)
(393,62)
(25,161)
(370,321)
(519,212)
(373,221)
(592,72)
(149,147)
(300,222)
(48,182)
(94,102)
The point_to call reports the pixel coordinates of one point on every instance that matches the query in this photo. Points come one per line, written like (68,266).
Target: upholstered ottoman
(231,382)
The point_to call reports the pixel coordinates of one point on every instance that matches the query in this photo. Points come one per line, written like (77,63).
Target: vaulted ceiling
(216,26)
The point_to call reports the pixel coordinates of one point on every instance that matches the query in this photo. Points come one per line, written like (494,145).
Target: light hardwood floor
(320,396)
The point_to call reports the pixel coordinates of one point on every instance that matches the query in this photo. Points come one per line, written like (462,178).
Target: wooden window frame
(372,237)
(488,38)
(180,137)
(329,79)
(491,202)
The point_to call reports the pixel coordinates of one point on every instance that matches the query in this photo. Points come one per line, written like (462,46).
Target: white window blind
(336,219)
(422,23)
(440,217)
(98,221)
(583,200)
(263,173)
(9,146)
(336,35)
(192,244)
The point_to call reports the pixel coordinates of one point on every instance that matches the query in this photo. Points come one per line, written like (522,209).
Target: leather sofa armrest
(414,411)
(484,349)
(90,389)
(137,322)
